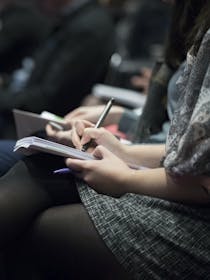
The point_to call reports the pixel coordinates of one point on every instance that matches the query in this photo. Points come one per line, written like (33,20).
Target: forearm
(145,155)
(158,183)
(114,115)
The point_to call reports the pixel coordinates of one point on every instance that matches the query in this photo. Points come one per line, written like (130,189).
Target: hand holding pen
(100,121)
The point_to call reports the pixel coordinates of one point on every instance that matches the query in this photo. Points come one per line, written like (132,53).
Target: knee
(45,227)
(56,227)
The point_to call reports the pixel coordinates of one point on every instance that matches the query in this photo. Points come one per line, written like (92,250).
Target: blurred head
(52,7)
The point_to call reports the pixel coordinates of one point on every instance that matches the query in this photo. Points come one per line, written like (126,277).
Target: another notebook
(128,98)
(28,123)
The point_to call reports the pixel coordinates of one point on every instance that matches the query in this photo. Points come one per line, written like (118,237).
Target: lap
(35,173)
(26,190)
(64,244)
(60,231)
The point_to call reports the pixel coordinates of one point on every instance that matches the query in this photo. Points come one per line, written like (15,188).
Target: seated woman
(109,221)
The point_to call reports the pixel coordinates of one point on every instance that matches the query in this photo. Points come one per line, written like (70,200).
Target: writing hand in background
(92,113)
(59,136)
(141,82)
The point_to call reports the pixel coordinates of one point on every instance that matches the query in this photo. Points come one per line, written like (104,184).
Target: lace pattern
(188,141)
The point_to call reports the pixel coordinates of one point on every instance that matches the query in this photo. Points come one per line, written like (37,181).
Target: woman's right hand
(84,132)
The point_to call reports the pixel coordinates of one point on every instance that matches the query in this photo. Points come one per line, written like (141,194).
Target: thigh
(28,189)
(21,199)
(66,243)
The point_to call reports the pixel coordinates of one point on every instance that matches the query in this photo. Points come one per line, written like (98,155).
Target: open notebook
(32,144)
(29,145)
(28,123)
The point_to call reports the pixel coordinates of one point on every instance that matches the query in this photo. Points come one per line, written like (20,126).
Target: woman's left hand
(107,175)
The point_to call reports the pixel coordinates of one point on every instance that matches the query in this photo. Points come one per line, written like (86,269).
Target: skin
(110,173)
(92,113)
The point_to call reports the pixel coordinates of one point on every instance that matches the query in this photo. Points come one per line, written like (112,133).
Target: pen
(56,126)
(63,171)
(100,121)
(67,170)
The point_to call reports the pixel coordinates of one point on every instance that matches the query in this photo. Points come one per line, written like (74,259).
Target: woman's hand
(65,136)
(92,114)
(84,132)
(107,175)
(62,137)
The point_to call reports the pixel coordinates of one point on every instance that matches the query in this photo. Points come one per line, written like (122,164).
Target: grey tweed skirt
(150,237)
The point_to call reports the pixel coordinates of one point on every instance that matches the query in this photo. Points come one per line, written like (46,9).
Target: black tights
(44,227)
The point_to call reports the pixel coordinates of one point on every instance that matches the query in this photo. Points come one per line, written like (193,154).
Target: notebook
(28,123)
(32,144)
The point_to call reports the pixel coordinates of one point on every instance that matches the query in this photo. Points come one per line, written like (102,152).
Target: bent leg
(20,201)
(28,189)
(66,245)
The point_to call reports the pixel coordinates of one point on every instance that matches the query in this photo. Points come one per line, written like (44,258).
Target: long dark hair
(201,26)
(184,26)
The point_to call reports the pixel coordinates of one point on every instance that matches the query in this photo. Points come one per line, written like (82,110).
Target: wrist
(128,181)
(122,151)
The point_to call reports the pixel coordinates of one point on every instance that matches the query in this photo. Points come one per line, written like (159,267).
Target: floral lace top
(188,141)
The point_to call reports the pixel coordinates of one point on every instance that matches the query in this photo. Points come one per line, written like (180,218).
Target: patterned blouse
(188,141)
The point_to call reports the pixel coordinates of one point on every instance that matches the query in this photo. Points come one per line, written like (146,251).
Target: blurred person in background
(141,33)
(141,36)
(73,58)
(148,29)
(22,29)
(161,100)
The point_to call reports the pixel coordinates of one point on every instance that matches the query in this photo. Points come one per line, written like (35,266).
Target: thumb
(75,164)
